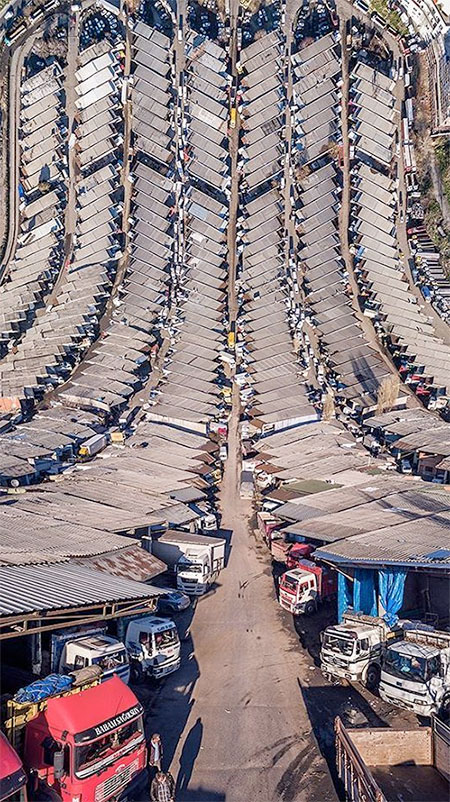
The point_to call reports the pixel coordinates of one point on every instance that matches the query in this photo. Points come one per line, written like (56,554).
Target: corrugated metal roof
(28,589)
(134,561)
(423,542)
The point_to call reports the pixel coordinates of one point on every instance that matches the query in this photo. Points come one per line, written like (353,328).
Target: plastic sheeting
(345,595)
(43,688)
(391,584)
(364,591)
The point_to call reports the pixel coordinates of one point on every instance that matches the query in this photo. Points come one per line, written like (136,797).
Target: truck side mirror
(321,637)
(58,764)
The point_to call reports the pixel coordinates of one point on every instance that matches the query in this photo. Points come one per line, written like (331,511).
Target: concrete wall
(387,747)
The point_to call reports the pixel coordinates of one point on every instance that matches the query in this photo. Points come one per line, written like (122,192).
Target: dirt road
(233,719)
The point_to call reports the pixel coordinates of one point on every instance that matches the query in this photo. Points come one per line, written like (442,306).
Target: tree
(328,407)
(388,392)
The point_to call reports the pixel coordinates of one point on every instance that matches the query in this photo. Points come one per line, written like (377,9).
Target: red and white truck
(302,589)
(85,744)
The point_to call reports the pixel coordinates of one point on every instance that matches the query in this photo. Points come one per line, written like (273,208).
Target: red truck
(267,525)
(85,744)
(13,779)
(303,588)
(290,553)
(297,553)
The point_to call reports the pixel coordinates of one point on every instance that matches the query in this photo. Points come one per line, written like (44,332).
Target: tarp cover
(391,584)
(43,688)
(345,595)
(364,593)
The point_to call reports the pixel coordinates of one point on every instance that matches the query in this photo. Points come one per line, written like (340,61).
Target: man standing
(162,788)
(155,751)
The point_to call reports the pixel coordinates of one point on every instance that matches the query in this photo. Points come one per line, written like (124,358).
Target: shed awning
(131,563)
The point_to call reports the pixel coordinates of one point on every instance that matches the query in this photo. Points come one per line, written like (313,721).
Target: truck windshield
(108,662)
(167,638)
(338,645)
(289,584)
(193,568)
(411,667)
(95,756)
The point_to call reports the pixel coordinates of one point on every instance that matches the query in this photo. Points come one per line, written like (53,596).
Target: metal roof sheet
(28,589)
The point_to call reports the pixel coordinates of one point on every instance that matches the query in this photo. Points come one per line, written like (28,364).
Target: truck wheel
(444,712)
(136,673)
(373,677)
(310,608)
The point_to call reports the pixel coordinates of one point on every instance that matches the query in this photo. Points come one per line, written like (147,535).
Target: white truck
(150,648)
(353,650)
(416,672)
(153,646)
(101,650)
(196,559)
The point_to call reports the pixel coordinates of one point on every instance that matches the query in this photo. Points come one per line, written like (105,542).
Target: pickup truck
(383,765)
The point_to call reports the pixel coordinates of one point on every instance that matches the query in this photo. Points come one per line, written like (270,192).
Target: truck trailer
(386,765)
(196,559)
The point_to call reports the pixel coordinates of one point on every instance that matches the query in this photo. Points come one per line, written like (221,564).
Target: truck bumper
(332,673)
(163,671)
(191,589)
(407,704)
(138,788)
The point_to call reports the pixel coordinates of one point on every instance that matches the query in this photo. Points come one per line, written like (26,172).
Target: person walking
(155,751)
(162,788)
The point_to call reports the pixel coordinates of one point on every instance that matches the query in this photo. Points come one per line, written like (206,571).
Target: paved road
(233,720)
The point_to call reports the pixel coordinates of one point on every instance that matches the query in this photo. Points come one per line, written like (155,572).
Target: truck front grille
(115,783)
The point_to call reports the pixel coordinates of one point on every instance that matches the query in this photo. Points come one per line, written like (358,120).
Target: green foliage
(442,151)
(392,18)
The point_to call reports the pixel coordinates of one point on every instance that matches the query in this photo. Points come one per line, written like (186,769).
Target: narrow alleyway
(233,718)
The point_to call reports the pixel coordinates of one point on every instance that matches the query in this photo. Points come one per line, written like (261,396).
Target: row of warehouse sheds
(161,472)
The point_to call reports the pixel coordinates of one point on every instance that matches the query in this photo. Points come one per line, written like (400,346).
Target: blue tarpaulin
(345,595)
(391,584)
(364,592)
(42,688)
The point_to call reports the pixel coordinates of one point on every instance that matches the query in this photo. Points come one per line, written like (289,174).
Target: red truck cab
(12,776)
(89,746)
(303,588)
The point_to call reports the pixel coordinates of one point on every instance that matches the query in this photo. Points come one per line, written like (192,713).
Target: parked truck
(93,445)
(150,648)
(384,764)
(96,649)
(416,672)
(302,589)
(85,743)
(196,559)
(353,650)
(13,779)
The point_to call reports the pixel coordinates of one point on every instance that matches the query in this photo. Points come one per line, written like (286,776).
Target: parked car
(173,601)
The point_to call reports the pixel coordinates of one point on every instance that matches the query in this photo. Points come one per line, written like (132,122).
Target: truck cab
(416,675)
(13,779)
(100,650)
(83,744)
(153,647)
(303,588)
(193,572)
(353,649)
